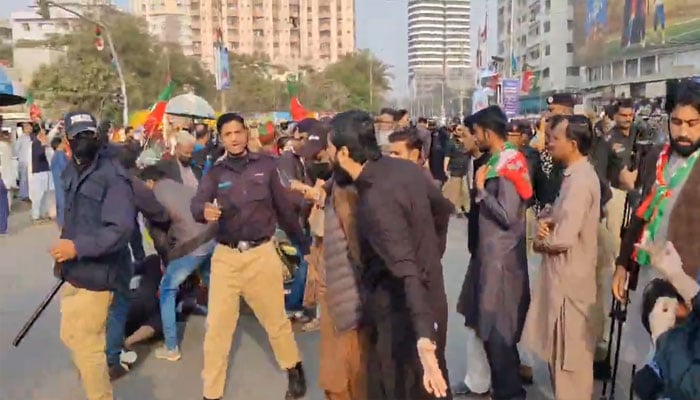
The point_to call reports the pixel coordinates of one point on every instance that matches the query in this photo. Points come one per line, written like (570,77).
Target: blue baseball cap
(77,122)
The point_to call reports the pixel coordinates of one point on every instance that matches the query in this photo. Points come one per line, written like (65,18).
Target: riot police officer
(92,254)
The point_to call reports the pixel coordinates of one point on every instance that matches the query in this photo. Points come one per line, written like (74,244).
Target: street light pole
(44,11)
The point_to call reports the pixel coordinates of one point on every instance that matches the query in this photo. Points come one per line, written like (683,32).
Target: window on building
(234,45)
(545,73)
(573,71)
(569,47)
(547,5)
(547,26)
(258,32)
(547,50)
(26,27)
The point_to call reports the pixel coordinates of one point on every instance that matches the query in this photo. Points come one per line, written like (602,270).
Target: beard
(684,147)
(340,176)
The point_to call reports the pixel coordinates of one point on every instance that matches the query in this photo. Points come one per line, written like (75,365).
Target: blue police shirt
(99,218)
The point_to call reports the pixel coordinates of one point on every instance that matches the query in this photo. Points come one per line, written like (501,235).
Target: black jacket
(99,218)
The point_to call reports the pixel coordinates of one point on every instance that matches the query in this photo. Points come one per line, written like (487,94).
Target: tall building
(168,20)
(439,44)
(291,33)
(537,35)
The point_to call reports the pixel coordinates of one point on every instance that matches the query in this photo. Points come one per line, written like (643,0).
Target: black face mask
(84,147)
(340,176)
(683,147)
(320,171)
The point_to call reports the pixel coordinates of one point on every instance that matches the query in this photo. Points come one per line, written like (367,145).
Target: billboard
(608,30)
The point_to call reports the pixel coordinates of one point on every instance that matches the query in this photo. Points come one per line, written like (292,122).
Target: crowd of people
(368,201)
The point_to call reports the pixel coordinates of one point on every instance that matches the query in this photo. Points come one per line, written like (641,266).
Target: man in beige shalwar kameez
(559,326)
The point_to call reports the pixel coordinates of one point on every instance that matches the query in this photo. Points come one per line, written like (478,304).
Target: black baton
(37,313)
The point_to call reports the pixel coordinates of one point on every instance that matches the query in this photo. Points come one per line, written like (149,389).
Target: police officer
(92,254)
(243,193)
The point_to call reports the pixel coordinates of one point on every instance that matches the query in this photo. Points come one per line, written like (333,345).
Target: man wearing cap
(292,167)
(92,254)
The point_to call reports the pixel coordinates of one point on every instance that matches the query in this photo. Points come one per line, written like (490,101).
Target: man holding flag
(496,293)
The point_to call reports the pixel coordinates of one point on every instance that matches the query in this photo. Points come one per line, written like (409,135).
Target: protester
(406,306)
(497,279)
(40,182)
(22,152)
(668,172)
(192,246)
(557,327)
(59,161)
(181,169)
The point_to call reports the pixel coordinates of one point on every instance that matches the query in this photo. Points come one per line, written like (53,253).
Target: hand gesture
(63,250)
(543,228)
(619,283)
(662,316)
(433,381)
(480,177)
(627,178)
(664,257)
(212,212)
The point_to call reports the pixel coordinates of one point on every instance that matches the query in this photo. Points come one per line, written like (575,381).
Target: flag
(34,110)
(99,41)
(297,111)
(511,165)
(529,82)
(155,118)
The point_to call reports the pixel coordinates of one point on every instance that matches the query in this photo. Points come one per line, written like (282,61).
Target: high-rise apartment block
(439,44)
(291,33)
(537,35)
(168,20)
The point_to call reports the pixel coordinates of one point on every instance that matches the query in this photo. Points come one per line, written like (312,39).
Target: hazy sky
(381,26)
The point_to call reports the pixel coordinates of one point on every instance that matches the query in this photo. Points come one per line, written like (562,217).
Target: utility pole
(444,60)
(45,12)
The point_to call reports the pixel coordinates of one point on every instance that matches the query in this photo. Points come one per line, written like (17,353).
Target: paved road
(40,368)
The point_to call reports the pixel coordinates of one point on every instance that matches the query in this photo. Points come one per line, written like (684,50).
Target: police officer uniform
(245,263)
(92,254)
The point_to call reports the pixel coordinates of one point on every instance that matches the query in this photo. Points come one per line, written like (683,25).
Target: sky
(381,27)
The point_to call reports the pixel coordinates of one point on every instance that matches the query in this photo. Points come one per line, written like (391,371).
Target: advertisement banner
(609,30)
(221,63)
(511,97)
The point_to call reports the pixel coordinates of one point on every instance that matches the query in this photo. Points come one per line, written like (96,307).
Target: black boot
(297,383)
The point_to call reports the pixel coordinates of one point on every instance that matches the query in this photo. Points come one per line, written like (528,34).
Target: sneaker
(128,357)
(164,353)
(313,325)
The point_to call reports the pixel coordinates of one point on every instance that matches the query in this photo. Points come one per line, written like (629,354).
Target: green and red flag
(297,111)
(34,110)
(99,41)
(511,164)
(155,118)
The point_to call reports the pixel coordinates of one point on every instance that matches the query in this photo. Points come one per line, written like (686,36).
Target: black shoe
(601,370)
(297,383)
(462,390)
(117,371)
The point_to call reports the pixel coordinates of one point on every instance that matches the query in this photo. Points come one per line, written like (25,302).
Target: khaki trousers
(342,361)
(83,331)
(455,190)
(255,275)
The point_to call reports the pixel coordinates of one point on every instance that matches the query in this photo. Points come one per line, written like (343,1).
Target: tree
(86,78)
(352,72)
(253,85)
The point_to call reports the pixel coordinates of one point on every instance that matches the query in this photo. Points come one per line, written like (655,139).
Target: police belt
(245,245)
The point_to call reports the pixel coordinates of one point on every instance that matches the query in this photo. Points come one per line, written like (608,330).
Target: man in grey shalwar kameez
(496,294)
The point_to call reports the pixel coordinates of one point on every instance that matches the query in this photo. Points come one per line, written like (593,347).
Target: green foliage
(86,78)
(256,85)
